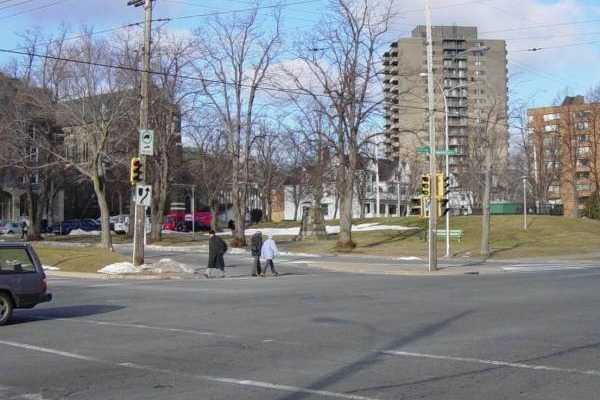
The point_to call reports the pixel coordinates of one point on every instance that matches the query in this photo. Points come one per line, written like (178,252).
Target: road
(310,334)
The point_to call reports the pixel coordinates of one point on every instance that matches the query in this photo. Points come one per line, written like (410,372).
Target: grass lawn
(546,236)
(77,259)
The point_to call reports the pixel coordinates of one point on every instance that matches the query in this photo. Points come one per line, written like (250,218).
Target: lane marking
(231,381)
(247,382)
(137,326)
(47,350)
(491,362)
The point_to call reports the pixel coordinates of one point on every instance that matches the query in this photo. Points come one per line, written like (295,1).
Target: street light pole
(432,227)
(446,139)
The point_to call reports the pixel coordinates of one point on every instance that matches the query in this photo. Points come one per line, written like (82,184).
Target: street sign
(444,152)
(143,195)
(424,150)
(146,142)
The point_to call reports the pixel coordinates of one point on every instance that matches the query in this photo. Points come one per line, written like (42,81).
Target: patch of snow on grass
(120,268)
(167,265)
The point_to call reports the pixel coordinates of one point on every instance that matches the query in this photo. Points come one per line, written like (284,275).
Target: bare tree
(342,81)
(209,166)
(94,118)
(170,103)
(268,157)
(236,55)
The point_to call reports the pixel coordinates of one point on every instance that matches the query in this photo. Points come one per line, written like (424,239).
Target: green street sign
(444,152)
(424,150)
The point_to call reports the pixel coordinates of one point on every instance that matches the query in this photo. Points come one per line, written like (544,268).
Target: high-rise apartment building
(470,74)
(564,153)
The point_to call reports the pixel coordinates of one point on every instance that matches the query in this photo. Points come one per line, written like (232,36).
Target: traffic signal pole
(140,210)
(432,228)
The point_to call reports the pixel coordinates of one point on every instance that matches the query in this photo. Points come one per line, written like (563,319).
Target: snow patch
(167,265)
(120,268)
(50,268)
(330,229)
(408,258)
(163,266)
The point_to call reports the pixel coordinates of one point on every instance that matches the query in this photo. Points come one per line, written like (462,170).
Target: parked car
(122,224)
(22,279)
(65,227)
(11,228)
(111,222)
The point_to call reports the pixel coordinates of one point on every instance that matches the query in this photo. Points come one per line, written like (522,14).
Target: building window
(551,117)
(367,208)
(583,150)
(554,189)
(583,187)
(582,125)
(325,208)
(583,163)
(551,128)
(582,175)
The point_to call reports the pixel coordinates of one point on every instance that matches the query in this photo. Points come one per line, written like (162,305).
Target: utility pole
(140,210)
(432,228)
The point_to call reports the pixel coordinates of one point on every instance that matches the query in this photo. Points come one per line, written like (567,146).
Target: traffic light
(442,186)
(443,192)
(426,185)
(135,171)
(443,207)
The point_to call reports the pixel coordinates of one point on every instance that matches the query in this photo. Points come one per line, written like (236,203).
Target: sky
(565,32)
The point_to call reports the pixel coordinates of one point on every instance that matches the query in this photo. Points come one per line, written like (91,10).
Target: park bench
(441,233)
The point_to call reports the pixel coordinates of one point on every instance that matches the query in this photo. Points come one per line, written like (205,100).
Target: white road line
(232,381)
(47,350)
(137,326)
(246,382)
(491,362)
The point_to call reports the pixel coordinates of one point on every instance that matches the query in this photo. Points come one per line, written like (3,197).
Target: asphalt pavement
(310,334)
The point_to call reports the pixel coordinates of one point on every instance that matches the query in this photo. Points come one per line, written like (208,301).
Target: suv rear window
(15,261)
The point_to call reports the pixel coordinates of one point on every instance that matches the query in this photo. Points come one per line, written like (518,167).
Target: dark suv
(22,279)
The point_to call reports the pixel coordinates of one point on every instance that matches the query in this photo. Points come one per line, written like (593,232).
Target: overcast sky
(567,31)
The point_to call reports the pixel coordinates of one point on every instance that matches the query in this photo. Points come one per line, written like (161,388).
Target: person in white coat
(269,252)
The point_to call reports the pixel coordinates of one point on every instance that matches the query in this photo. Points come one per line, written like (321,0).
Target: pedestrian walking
(216,249)
(256,243)
(269,252)
(23,229)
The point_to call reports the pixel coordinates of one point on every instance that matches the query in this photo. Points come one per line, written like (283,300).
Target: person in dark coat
(256,243)
(23,230)
(216,249)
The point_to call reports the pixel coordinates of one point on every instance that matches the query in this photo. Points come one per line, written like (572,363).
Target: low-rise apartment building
(564,153)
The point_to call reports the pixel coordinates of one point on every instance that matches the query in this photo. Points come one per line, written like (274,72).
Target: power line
(32,9)
(206,80)
(589,21)
(555,47)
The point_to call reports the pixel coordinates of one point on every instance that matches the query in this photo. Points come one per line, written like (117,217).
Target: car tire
(6,308)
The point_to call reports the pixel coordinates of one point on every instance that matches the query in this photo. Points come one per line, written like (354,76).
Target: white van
(122,224)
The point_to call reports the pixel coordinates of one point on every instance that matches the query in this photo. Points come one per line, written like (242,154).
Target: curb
(140,276)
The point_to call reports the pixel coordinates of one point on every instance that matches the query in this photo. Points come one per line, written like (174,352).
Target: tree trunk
(213,204)
(346,192)
(100,190)
(485,217)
